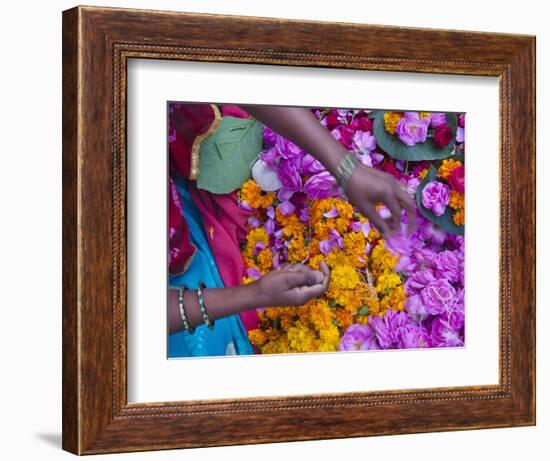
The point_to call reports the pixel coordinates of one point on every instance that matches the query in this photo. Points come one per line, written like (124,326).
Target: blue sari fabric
(228,337)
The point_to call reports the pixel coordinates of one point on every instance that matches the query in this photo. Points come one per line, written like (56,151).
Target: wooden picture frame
(97,44)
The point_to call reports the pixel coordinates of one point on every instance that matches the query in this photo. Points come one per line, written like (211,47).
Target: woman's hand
(293,285)
(367,187)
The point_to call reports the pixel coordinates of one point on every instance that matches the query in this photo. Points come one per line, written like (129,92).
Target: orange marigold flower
(447,167)
(458,217)
(257,337)
(457,200)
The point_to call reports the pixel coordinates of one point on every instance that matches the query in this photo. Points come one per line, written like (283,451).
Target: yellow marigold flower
(447,167)
(381,259)
(457,200)
(330,337)
(344,277)
(390,121)
(387,281)
(337,258)
(458,217)
(300,337)
(423,173)
(424,114)
(257,235)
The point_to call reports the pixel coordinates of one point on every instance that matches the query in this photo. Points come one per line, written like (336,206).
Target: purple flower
(448,265)
(399,244)
(438,296)
(359,337)
(415,308)
(271,157)
(270,137)
(377,158)
(270,212)
(326,246)
(412,129)
(435,197)
(322,185)
(287,149)
(443,335)
(429,231)
(245,206)
(289,176)
(334,240)
(284,194)
(269,226)
(253,273)
(365,227)
(286,207)
(253,222)
(311,166)
(413,336)
(438,119)
(387,328)
(332,213)
(460,134)
(258,246)
(418,281)
(364,141)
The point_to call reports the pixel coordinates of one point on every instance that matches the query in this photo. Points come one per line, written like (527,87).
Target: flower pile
(406,292)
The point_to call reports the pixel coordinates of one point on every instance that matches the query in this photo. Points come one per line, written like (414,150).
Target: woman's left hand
(293,285)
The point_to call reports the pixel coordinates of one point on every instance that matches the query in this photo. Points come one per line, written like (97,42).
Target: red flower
(456,179)
(362,123)
(389,167)
(442,135)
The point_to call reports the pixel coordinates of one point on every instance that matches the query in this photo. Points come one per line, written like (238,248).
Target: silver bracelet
(187,327)
(345,169)
(209,323)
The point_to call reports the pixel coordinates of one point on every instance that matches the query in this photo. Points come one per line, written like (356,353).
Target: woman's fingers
(395,209)
(370,212)
(407,202)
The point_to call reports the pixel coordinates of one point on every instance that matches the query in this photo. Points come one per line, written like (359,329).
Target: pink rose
(435,197)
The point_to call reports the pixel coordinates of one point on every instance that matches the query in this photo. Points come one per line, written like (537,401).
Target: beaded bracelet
(345,169)
(209,323)
(181,306)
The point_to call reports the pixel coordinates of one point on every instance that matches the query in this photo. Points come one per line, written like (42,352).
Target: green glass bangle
(200,295)
(187,327)
(345,169)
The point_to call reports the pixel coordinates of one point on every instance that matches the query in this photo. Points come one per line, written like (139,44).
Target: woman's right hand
(293,285)
(367,187)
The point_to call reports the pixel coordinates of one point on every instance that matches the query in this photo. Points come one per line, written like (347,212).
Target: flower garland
(407,292)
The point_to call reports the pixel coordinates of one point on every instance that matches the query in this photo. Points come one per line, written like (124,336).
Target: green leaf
(445,221)
(364,310)
(421,151)
(225,157)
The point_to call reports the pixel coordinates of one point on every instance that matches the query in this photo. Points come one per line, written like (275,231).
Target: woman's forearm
(300,126)
(219,302)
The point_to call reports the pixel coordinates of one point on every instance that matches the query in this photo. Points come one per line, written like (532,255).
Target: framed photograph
(270,234)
